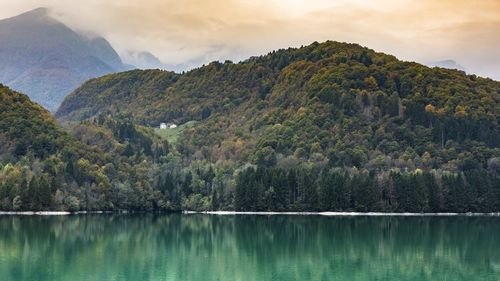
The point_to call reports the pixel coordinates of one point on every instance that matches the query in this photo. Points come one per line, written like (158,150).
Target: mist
(189,33)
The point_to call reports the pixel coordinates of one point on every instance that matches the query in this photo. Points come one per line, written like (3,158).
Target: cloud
(192,32)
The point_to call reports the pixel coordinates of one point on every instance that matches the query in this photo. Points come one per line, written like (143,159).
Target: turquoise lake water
(209,248)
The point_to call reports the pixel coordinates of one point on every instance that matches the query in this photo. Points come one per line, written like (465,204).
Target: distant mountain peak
(143,60)
(45,59)
(36,14)
(448,63)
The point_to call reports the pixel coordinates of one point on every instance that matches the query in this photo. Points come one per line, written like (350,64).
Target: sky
(189,33)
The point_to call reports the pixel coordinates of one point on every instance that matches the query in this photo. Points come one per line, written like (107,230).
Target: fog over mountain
(143,60)
(188,34)
(45,59)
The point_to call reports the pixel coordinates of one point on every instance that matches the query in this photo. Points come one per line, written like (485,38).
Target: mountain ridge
(343,103)
(45,59)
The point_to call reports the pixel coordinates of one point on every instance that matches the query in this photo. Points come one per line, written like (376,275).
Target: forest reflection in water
(204,247)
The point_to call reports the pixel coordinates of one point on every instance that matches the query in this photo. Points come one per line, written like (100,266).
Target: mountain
(330,126)
(449,64)
(325,127)
(334,102)
(45,59)
(144,60)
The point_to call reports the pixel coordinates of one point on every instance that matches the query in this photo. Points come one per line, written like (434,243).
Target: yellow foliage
(460,111)
(239,144)
(430,108)
(301,111)
(371,82)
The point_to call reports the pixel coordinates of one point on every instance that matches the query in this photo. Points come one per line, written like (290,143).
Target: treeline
(35,194)
(167,185)
(263,189)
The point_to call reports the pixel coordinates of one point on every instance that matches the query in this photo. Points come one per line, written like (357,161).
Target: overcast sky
(192,32)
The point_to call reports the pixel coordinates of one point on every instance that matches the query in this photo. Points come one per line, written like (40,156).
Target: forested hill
(27,127)
(337,103)
(33,150)
(327,127)
(44,167)
(131,91)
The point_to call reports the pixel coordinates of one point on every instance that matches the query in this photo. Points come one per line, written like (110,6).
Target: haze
(188,33)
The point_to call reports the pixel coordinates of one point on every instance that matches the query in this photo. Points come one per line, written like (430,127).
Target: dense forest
(326,127)
(45,167)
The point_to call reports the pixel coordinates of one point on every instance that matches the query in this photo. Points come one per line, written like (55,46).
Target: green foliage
(338,102)
(105,164)
(334,190)
(141,87)
(329,126)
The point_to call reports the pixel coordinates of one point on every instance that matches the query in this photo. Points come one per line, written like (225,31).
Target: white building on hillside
(163,125)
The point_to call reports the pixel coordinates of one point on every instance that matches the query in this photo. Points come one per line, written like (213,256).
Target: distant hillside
(122,92)
(45,59)
(450,64)
(336,103)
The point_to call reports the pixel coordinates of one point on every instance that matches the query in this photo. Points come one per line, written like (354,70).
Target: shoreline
(342,214)
(50,213)
(38,213)
(237,213)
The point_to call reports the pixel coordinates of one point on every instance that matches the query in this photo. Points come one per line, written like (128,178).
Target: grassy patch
(172,135)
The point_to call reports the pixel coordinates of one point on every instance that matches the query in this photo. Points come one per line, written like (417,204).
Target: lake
(209,248)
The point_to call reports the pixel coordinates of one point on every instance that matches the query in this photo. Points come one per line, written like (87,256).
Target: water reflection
(199,247)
